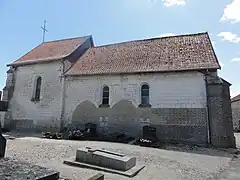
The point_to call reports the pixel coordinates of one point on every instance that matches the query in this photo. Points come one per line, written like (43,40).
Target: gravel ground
(194,164)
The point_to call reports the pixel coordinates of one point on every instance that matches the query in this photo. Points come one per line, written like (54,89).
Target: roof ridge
(57,40)
(154,38)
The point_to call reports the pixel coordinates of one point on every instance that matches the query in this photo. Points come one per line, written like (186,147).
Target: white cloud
(235,60)
(231,12)
(169,3)
(149,4)
(166,34)
(228,36)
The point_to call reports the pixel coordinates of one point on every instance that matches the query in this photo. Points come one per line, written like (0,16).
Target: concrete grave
(149,132)
(103,160)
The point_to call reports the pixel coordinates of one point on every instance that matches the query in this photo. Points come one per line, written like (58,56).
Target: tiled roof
(236,98)
(51,50)
(175,53)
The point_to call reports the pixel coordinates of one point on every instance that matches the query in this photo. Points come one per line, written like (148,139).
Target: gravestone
(91,129)
(149,133)
(3,142)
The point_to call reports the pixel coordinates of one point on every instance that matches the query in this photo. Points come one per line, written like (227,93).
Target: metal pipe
(207,106)
(63,97)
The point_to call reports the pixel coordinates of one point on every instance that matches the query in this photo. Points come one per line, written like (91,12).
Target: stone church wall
(236,114)
(42,115)
(178,104)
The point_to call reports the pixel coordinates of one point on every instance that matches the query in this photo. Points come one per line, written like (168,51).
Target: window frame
(105,96)
(144,95)
(37,89)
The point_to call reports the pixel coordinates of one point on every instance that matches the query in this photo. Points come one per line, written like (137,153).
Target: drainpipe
(63,97)
(207,106)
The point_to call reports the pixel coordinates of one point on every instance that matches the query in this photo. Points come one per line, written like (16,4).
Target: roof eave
(116,73)
(226,82)
(236,100)
(35,62)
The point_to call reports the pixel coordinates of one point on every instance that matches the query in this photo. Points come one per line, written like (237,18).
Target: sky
(111,21)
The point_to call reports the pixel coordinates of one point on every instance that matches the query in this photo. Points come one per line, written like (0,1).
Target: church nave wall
(177,104)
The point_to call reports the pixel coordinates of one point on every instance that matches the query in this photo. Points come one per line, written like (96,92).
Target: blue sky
(112,21)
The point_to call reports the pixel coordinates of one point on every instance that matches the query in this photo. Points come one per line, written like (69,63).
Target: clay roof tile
(51,50)
(175,53)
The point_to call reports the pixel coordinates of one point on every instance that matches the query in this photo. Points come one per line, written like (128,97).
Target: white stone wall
(167,90)
(45,113)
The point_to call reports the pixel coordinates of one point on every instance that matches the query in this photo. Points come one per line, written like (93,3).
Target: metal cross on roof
(44,30)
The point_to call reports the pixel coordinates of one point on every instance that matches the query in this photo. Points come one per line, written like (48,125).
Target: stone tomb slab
(104,160)
(19,170)
(129,173)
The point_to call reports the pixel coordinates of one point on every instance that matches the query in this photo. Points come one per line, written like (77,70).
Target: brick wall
(44,114)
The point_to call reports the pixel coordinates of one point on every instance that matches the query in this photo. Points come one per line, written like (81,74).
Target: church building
(170,83)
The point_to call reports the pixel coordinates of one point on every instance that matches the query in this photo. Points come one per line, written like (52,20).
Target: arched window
(38,89)
(145,94)
(105,95)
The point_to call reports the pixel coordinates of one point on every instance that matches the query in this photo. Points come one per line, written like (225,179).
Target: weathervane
(44,30)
